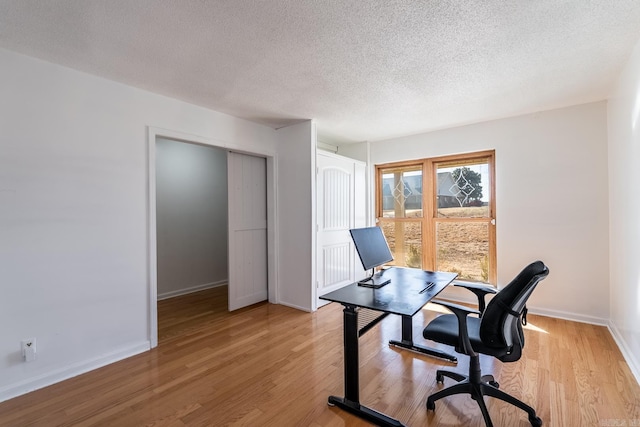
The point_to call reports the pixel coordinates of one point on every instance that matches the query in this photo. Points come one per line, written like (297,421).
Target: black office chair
(496,332)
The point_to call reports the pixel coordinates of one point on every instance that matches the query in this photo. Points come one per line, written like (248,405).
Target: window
(439,214)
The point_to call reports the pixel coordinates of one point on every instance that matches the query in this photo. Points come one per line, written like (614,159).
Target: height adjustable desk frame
(405,295)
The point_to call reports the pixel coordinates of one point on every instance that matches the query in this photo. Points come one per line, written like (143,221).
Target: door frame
(152,265)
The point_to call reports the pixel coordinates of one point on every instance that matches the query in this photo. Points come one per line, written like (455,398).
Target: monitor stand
(375,281)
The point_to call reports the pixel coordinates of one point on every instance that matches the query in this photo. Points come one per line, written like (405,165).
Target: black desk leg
(351,400)
(407,343)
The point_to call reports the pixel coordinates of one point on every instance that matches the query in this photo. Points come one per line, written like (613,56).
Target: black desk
(407,293)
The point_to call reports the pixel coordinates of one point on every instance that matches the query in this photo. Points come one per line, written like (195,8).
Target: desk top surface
(406,294)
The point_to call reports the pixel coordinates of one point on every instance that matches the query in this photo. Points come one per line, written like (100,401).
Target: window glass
(463,190)
(463,248)
(402,192)
(405,241)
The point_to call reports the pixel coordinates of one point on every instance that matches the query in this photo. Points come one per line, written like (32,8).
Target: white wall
(191,217)
(355,151)
(624,210)
(74,215)
(551,198)
(297,215)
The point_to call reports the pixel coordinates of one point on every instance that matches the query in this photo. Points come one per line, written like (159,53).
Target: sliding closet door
(248,277)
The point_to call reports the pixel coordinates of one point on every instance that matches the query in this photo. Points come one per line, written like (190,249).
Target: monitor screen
(371,246)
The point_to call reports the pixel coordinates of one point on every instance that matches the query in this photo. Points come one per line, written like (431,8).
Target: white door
(248,279)
(341,206)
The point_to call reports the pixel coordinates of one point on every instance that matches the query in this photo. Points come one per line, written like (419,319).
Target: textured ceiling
(363,69)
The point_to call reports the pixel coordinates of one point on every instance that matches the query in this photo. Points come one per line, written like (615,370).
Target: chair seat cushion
(444,329)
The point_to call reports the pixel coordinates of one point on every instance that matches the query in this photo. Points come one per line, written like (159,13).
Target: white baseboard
(31,384)
(192,289)
(297,307)
(565,315)
(557,314)
(631,359)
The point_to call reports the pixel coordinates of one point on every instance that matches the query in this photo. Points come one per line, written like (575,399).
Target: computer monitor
(373,250)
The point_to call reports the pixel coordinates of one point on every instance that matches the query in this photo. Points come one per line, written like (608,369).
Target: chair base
(483,386)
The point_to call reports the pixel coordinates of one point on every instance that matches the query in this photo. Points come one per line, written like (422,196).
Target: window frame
(430,220)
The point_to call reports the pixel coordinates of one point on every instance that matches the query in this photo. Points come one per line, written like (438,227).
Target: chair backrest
(500,325)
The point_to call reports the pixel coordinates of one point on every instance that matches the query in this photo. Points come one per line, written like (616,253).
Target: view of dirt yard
(460,247)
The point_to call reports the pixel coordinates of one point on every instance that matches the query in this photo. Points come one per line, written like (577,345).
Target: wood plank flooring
(270,365)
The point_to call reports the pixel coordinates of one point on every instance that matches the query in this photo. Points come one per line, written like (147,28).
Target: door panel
(339,208)
(248,278)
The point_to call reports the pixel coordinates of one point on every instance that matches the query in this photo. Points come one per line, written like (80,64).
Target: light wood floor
(271,365)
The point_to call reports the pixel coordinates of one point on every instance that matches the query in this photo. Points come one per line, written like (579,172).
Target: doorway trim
(152,256)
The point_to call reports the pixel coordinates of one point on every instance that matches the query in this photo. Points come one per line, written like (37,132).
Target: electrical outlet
(29,350)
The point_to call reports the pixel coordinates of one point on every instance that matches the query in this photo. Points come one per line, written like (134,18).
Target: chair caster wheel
(494,383)
(439,378)
(431,406)
(535,421)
